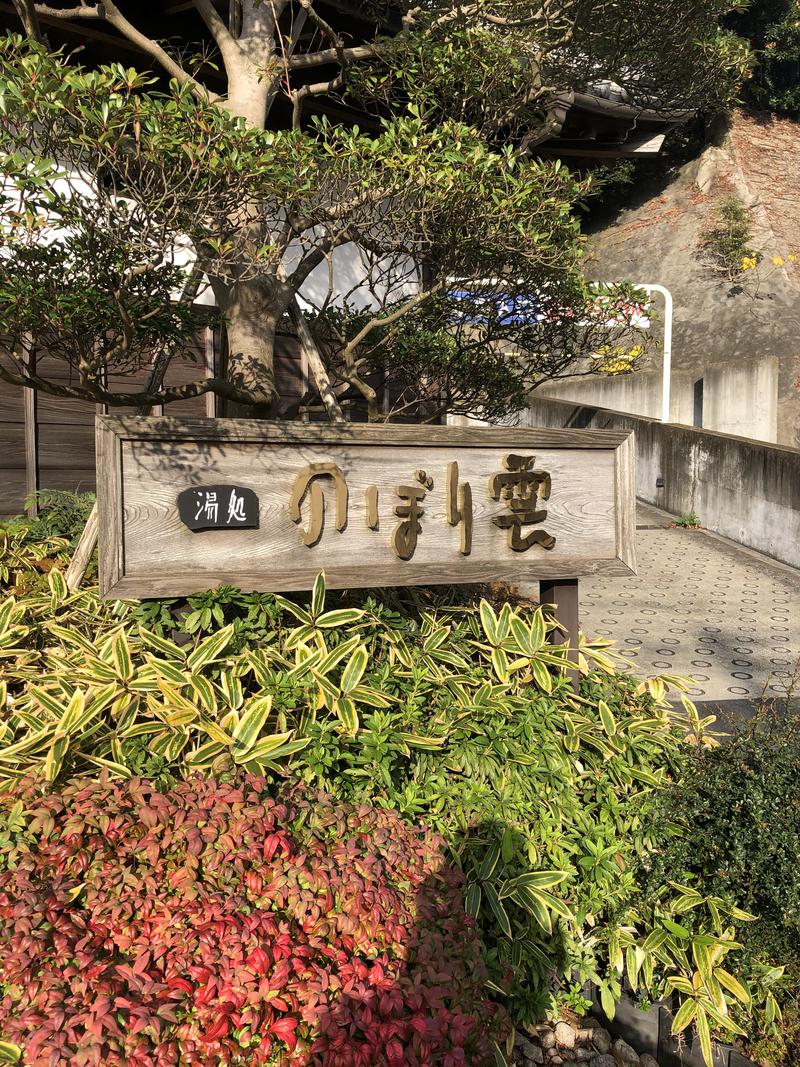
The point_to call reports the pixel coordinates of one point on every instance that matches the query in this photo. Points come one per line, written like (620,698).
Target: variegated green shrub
(85,687)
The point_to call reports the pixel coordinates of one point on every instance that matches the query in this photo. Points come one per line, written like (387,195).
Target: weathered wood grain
(31,443)
(31,451)
(625,484)
(145,549)
(12,404)
(83,552)
(12,446)
(12,490)
(110,530)
(210,355)
(73,479)
(59,409)
(66,446)
(170,429)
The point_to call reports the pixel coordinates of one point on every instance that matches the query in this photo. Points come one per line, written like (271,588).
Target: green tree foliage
(773,29)
(438,184)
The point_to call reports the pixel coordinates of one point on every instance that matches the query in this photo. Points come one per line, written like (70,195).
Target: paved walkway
(704,607)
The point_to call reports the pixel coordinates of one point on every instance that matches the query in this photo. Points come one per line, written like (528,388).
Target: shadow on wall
(746,490)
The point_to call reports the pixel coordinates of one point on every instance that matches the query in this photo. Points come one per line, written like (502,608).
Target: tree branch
(386,320)
(162,362)
(99,395)
(316,89)
(151,48)
(312,259)
(109,12)
(308,7)
(333,55)
(316,363)
(27,16)
(82,12)
(226,42)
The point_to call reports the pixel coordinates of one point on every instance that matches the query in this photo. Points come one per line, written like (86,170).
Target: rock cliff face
(766,152)
(736,346)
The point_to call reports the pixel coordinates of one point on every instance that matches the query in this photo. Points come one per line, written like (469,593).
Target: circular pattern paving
(702,609)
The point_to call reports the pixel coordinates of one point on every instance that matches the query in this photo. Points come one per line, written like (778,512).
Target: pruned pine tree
(126,190)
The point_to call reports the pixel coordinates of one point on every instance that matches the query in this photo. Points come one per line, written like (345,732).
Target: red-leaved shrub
(217,924)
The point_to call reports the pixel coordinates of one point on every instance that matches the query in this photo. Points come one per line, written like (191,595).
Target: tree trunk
(253,308)
(251,66)
(248,306)
(248,96)
(251,320)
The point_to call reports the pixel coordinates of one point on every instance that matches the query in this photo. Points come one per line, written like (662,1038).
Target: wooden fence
(47,442)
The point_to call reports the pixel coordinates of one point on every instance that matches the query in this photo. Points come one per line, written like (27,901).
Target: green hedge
(736,831)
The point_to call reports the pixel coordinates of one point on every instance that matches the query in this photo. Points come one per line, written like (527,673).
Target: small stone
(556,1060)
(565,1035)
(602,1061)
(583,1054)
(646,1060)
(531,1053)
(628,1055)
(601,1039)
(547,1038)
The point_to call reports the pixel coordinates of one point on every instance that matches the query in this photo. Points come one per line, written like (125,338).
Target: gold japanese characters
(519,486)
(522,488)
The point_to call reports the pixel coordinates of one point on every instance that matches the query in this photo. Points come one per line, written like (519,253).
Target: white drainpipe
(667,366)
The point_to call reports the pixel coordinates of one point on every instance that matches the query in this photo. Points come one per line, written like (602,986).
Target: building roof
(591,126)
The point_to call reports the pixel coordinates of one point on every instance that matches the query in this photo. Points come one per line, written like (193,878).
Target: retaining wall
(651,1032)
(743,489)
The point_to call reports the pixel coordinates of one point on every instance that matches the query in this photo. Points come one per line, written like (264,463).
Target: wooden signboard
(185,505)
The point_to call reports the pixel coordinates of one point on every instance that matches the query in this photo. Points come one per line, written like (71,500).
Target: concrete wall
(746,490)
(739,398)
(742,400)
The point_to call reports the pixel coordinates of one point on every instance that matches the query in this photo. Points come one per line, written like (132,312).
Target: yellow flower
(778,261)
(792,257)
(749,262)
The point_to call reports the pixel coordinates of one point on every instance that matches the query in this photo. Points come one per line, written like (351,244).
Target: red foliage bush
(216,924)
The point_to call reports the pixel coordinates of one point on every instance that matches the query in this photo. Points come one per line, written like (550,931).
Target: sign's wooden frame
(114,431)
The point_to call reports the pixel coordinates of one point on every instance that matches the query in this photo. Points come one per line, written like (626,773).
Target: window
(698,403)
